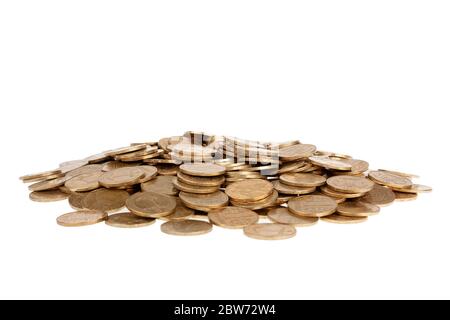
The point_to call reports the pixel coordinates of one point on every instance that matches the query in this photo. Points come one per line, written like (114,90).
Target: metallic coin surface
(357,209)
(40,175)
(233,217)
(84,182)
(401,174)
(186,227)
(151,205)
(337,218)
(302,179)
(76,200)
(192,189)
(149,173)
(97,158)
(167,169)
(127,149)
(105,200)
(284,216)
(249,190)
(415,188)
(181,212)
(81,218)
(160,184)
(89,168)
(48,196)
(121,177)
(43,178)
(403,196)
(312,206)
(350,184)
(296,152)
(358,166)
(270,201)
(329,163)
(291,190)
(202,169)
(72,165)
(47,184)
(379,195)
(333,193)
(270,231)
(112,165)
(389,179)
(128,220)
(204,202)
(201,181)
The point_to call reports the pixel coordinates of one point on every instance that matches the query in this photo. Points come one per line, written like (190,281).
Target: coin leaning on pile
(196,181)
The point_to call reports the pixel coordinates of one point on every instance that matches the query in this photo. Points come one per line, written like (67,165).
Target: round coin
(181,212)
(151,205)
(291,190)
(127,149)
(415,188)
(284,216)
(84,182)
(337,218)
(40,175)
(402,196)
(204,202)
(47,184)
(200,181)
(105,200)
(339,195)
(270,231)
(76,200)
(202,169)
(302,179)
(249,190)
(121,177)
(233,217)
(296,152)
(270,201)
(186,227)
(149,173)
(81,218)
(128,220)
(48,196)
(350,184)
(390,179)
(357,209)
(328,163)
(72,165)
(379,195)
(312,206)
(192,189)
(161,184)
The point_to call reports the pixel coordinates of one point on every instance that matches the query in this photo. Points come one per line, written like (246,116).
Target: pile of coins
(196,180)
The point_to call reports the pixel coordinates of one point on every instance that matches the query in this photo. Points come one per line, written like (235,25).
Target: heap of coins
(194,181)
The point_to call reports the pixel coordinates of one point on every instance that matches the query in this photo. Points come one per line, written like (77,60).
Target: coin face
(149,173)
(401,174)
(340,195)
(186,227)
(122,150)
(40,175)
(350,184)
(97,158)
(151,205)
(284,216)
(379,195)
(270,201)
(233,217)
(201,181)
(337,218)
(358,166)
(202,169)
(403,196)
(291,190)
(329,163)
(181,212)
(357,209)
(302,179)
(112,165)
(270,231)
(167,169)
(192,189)
(121,177)
(47,184)
(312,206)
(84,182)
(48,196)
(68,166)
(105,200)
(297,151)
(389,179)
(128,220)
(415,188)
(81,218)
(160,184)
(90,168)
(76,201)
(249,190)
(204,202)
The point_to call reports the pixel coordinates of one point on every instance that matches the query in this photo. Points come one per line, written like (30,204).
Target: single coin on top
(105,200)
(249,190)
(121,177)
(390,179)
(84,182)
(202,169)
(350,184)
(312,206)
(296,152)
(81,218)
(204,202)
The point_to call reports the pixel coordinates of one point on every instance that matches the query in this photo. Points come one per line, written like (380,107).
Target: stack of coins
(196,180)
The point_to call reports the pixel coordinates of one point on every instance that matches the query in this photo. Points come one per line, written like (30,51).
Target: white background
(368,78)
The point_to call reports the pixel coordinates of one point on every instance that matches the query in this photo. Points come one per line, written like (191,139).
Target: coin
(350,184)
(181,212)
(97,158)
(192,189)
(358,166)
(84,182)
(201,181)
(296,152)
(81,218)
(112,165)
(337,199)
(390,179)
(233,217)
(204,202)
(121,177)
(401,174)
(151,205)
(145,156)
(167,169)
(333,193)
(302,179)
(290,190)
(379,195)
(136,154)
(249,190)
(44,178)
(72,165)
(48,196)
(89,168)
(283,198)
(402,196)
(328,163)
(260,204)
(149,173)
(290,166)
(337,218)
(284,216)
(47,184)
(186,227)
(127,149)
(202,169)
(312,206)
(128,220)
(357,209)
(415,188)
(161,184)
(76,200)
(105,200)
(270,231)
(40,175)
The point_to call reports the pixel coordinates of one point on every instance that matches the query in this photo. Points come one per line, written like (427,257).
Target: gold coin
(379,195)
(45,178)
(201,181)
(167,169)
(90,168)
(105,200)
(181,212)
(186,227)
(97,158)
(72,165)
(76,200)
(161,184)
(84,182)
(337,218)
(337,199)
(112,165)
(402,196)
(335,194)
(163,161)
(260,204)
(48,196)
(192,189)
(47,184)
(401,174)
(302,179)
(357,209)
(233,217)
(121,177)
(140,153)
(167,143)
(291,190)
(143,157)
(151,205)
(312,206)
(128,220)
(81,218)
(284,216)
(149,173)
(297,151)
(306,167)
(350,184)
(39,176)
(285,144)
(204,202)
(328,163)
(290,166)
(202,169)
(415,188)
(270,231)
(283,198)
(249,190)
(389,179)
(358,166)
(127,149)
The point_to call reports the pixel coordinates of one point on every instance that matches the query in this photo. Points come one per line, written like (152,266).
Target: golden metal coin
(270,231)
(402,196)
(284,216)
(128,220)
(186,227)
(76,200)
(192,189)
(136,154)
(285,144)
(357,209)
(270,201)
(47,184)
(302,179)
(350,184)
(296,152)
(379,195)
(72,165)
(201,181)
(163,161)
(312,206)
(328,163)
(335,194)
(112,165)
(204,202)
(337,218)
(291,190)
(283,198)
(151,205)
(401,174)
(121,177)
(202,169)
(161,184)
(48,196)
(181,212)
(39,176)
(84,182)
(149,173)
(306,167)
(358,166)
(89,168)
(415,188)
(143,157)
(127,149)
(233,217)
(290,166)
(167,169)
(97,158)
(389,179)
(105,200)
(45,178)
(337,199)
(81,218)
(249,190)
